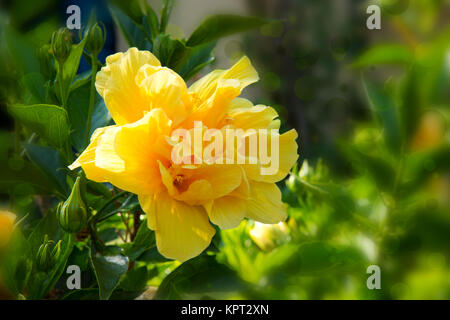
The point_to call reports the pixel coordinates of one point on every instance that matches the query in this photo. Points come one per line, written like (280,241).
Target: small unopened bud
(61,44)
(47,255)
(96,37)
(46,61)
(73,213)
(269,236)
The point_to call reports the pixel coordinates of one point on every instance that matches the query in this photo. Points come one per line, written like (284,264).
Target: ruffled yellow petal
(265,203)
(182,231)
(127,156)
(164,89)
(257,117)
(116,84)
(242,71)
(227,212)
(87,159)
(286,160)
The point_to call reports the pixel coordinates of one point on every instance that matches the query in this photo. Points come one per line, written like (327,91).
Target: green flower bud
(96,37)
(47,254)
(46,61)
(61,44)
(73,213)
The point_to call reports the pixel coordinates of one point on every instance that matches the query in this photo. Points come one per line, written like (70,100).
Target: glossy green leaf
(385,54)
(165,14)
(108,271)
(171,53)
(219,26)
(131,31)
(77,108)
(34,88)
(201,56)
(197,278)
(71,65)
(50,162)
(145,239)
(49,121)
(135,279)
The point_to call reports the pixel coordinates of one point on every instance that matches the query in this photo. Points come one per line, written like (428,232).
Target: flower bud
(6,227)
(46,61)
(95,39)
(73,213)
(47,255)
(61,44)
(269,236)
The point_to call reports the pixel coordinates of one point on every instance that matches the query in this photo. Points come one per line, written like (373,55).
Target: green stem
(91,99)
(61,85)
(117,196)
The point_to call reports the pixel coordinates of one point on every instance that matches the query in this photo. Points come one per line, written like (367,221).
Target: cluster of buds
(73,213)
(47,254)
(61,45)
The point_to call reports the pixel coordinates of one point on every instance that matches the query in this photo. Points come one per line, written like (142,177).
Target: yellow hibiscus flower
(6,226)
(149,103)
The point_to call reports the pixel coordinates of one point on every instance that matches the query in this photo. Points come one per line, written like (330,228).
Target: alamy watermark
(226,146)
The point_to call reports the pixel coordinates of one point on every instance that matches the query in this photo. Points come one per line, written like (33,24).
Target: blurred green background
(371,108)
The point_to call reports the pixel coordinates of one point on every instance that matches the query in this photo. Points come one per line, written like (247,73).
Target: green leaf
(171,52)
(108,271)
(28,174)
(77,108)
(22,53)
(165,14)
(219,26)
(51,163)
(201,56)
(70,67)
(132,32)
(197,278)
(386,111)
(135,279)
(145,239)
(385,54)
(34,88)
(49,121)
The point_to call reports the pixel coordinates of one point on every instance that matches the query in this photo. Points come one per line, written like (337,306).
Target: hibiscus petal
(227,212)
(287,158)
(165,89)
(242,71)
(87,159)
(116,84)
(257,117)
(182,231)
(265,203)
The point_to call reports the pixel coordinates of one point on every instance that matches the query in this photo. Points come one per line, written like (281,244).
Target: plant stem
(117,196)
(61,85)
(91,98)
